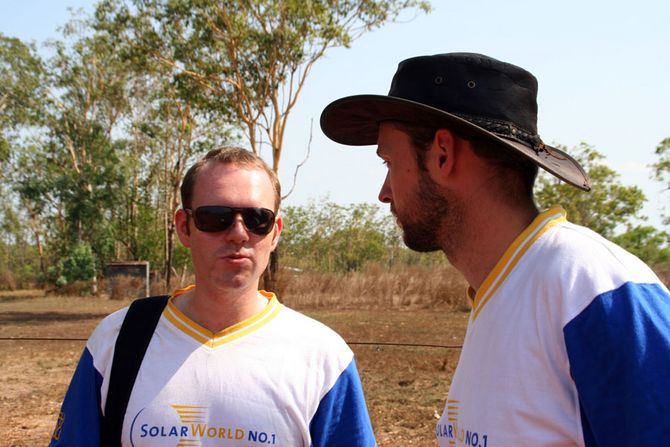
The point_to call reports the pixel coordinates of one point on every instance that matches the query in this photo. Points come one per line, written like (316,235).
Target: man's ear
(181,220)
(442,156)
(279,225)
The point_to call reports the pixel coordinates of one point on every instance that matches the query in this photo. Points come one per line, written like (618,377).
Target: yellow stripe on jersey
(212,340)
(513,255)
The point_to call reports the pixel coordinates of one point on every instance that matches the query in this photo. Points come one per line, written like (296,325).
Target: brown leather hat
(472,94)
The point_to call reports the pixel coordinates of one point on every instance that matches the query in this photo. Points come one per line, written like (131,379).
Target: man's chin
(420,244)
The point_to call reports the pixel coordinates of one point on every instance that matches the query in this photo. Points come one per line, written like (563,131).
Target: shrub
(78,266)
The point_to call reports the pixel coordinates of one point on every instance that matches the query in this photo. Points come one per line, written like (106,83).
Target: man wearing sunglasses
(227,363)
(568,342)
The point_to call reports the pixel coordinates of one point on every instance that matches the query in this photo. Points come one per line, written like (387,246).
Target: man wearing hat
(568,342)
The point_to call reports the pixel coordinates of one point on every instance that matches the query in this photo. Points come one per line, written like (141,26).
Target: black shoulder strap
(131,344)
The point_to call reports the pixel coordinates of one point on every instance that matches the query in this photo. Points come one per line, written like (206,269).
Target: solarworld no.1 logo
(194,431)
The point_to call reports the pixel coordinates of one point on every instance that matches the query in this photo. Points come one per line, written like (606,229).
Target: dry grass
(405,386)
(399,288)
(124,287)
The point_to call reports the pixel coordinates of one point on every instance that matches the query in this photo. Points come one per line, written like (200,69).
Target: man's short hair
(228,155)
(504,161)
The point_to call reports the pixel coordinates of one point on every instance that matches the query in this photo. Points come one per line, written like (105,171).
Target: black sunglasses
(212,218)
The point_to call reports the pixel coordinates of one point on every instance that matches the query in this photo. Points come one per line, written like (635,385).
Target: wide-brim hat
(474,95)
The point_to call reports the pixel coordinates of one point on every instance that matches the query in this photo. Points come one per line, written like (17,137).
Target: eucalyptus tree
(248,59)
(166,128)
(251,57)
(171,132)
(90,101)
(66,171)
(22,89)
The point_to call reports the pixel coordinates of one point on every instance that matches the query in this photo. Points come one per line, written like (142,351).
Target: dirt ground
(405,386)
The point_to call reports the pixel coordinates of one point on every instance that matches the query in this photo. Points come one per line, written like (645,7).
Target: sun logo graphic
(193,416)
(447,427)
(183,434)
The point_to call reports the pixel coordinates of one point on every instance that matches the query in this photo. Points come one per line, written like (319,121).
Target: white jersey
(568,344)
(278,378)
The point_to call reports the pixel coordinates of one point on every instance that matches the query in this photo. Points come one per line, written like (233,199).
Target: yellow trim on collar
(212,340)
(513,255)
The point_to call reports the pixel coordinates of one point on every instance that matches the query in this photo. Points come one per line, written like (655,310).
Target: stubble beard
(435,222)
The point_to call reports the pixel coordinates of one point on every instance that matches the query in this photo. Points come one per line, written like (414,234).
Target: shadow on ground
(49,317)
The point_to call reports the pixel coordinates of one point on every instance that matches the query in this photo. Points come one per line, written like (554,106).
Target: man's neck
(492,229)
(216,310)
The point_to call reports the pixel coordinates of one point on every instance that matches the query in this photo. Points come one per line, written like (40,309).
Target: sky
(603,68)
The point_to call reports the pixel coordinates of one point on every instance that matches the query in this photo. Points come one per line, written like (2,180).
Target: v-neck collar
(543,222)
(211,339)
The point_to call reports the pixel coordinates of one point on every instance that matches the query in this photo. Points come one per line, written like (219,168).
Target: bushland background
(96,134)
(98,126)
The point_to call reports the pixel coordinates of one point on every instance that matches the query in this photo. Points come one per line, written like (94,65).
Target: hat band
(507,130)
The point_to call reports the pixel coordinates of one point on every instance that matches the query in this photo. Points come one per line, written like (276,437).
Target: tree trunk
(168,254)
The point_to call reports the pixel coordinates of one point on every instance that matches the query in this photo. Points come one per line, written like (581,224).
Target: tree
(661,168)
(21,90)
(18,257)
(168,127)
(176,131)
(65,170)
(608,207)
(646,242)
(249,56)
(329,237)
(246,58)
(89,84)
(78,265)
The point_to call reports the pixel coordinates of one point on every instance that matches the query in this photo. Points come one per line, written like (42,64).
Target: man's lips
(234,257)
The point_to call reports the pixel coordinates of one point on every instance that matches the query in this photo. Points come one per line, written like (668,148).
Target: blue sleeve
(619,353)
(80,415)
(342,417)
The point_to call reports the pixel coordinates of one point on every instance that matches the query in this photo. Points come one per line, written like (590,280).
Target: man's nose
(385,193)
(237,232)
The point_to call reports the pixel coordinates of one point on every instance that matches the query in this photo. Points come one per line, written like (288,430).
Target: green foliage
(608,207)
(19,261)
(245,60)
(21,78)
(328,237)
(78,265)
(5,148)
(97,138)
(661,168)
(94,141)
(647,243)
(332,237)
